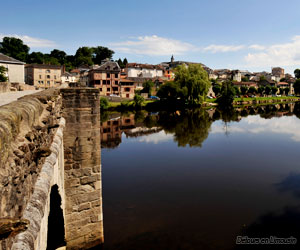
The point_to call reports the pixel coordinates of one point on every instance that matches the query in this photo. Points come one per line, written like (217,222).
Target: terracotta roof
(8,59)
(126,80)
(283,83)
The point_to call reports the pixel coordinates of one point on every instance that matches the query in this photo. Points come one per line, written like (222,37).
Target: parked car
(209,97)
(154,97)
(114,95)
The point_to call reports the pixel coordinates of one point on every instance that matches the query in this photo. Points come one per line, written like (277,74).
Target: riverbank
(114,106)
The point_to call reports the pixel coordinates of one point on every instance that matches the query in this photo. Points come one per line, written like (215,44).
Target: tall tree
(147,87)
(83,56)
(217,89)
(59,55)
(100,53)
(244,90)
(120,62)
(261,90)
(297,73)
(297,87)
(125,62)
(15,48)
(268,89)
(35,57)
(227,94)
(195,80)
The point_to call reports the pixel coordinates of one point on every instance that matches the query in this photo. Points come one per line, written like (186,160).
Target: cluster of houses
(114,81)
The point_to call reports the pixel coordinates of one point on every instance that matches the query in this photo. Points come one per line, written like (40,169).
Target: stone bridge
(50,171)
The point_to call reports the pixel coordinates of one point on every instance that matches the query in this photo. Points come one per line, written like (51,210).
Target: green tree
(15,48)
(268,89)
(297,73)
(170,92)
(244,90)
(245,79)
(35,57)
(59,55)
(287,90)
(227,94)
(195,80)
(138,101)
(120,62)
(125,62)
(100,53)
(217,89)
(261,90)
(147,87)
(252,90)
(83,56)
(237,90)
(104,103)
(3,77)
(297,87)
(274,90)
(281,91)
(262,78)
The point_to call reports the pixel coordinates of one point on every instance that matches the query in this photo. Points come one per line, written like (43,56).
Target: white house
(144,70)
(68,78)
(15,68)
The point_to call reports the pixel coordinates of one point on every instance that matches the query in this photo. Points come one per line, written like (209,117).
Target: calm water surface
(199,179)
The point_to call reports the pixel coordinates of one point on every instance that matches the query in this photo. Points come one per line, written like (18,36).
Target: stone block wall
(27,128)
(83,192)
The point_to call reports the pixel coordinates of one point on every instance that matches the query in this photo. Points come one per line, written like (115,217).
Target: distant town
(123,79)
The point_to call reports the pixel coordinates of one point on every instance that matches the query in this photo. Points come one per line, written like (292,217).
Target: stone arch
(56,225)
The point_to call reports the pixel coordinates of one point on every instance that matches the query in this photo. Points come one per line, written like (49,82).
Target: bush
(104,103)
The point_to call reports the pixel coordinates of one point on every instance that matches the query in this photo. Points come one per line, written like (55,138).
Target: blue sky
(245,34)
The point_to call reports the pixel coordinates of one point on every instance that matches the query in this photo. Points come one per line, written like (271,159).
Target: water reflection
(192,127)
(174,181)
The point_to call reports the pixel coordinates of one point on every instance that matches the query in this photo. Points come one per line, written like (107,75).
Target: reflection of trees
(189,127)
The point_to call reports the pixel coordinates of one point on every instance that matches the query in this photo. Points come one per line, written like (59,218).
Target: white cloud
(153,45)
(288,125)
(32,42)
(285,54)
(257,47)
(156,138)
(223,48)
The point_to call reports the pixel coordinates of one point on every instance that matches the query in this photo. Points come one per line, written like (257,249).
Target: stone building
(277,71)
(107,78)
(15,68)
(43,76)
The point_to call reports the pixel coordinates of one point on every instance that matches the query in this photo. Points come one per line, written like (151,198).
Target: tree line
(14,47)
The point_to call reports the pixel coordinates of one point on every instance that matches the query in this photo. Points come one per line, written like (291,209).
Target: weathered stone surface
(81,109)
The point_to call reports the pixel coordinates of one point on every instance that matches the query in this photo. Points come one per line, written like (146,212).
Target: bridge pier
(82,164)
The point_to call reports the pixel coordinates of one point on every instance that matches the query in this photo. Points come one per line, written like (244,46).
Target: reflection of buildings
(111,130)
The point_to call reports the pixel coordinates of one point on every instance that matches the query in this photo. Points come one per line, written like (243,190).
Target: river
(199,179)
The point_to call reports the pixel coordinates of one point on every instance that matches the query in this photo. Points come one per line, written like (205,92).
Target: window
(115,88)
(42,81)
(108,82)
(116,75)
(108,89)
(40,76)
(115,123)
(48,76)
(116,82)
(100,89)
(97,82)
(104,81)
(55,77)
(107,75)
(48,82)
(48,71)
(127,89)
